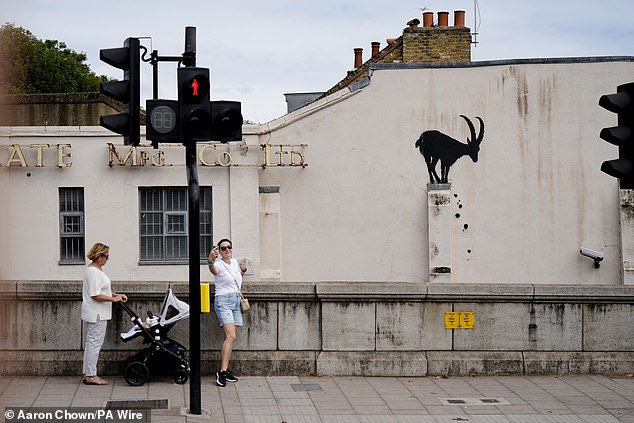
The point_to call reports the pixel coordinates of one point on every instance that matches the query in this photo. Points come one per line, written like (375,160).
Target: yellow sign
(459,320)
(205,298)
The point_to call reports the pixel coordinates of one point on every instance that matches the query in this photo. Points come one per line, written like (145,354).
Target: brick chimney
(358,57)
(442,43)
(376,47)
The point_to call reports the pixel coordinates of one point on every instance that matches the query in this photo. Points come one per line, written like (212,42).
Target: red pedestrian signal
(193,104)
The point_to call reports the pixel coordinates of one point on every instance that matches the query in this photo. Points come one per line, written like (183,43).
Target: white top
(95,282)
(229,277)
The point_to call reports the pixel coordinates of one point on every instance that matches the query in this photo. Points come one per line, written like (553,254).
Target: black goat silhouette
(435,146)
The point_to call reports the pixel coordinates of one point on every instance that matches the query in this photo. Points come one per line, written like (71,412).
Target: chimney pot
(443,18)
(428,19)
(376,46)
(358,57)
(458,18)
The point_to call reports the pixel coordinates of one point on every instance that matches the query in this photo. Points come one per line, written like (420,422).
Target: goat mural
(436,146)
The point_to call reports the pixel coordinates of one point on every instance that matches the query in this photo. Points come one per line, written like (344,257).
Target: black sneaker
(229,377)
(221,379)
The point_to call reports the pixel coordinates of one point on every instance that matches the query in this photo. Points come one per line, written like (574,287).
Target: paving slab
(358,399)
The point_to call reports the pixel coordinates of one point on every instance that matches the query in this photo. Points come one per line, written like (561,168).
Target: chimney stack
(358,57)
(375,48)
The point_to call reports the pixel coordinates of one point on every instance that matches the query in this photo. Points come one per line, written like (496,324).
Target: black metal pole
(194,277)
(155,75)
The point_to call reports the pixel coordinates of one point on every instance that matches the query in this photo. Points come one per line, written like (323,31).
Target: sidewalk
(535,399)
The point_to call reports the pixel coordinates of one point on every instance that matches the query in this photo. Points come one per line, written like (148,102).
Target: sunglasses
(229,247)
(106,256)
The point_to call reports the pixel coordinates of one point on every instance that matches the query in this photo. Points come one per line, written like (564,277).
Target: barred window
(71,226)
(163,224)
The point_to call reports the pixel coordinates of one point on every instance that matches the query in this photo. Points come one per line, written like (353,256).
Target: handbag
(244,303)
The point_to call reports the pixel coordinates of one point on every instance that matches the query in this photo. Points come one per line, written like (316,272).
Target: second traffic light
(621,103)
(194,112)
(127,91)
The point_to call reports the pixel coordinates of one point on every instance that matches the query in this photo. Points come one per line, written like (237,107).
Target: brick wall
(436,44)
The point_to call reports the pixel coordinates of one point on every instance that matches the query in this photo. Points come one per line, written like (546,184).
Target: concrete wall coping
(340,291)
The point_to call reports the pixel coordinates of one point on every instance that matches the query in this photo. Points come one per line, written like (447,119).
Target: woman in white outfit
(228,280)
(96,310)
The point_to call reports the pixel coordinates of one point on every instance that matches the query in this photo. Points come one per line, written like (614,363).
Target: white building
(333,207)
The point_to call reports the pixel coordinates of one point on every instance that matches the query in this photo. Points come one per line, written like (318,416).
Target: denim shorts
(228,309)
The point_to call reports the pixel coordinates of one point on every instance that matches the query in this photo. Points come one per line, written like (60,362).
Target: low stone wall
(345,328)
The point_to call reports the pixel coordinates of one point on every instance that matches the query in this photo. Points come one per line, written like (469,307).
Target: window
(71,226)
(163,224)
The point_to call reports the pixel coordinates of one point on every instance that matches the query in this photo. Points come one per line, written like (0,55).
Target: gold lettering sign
(209,155)
(213,155)
(37,155)
(287,155)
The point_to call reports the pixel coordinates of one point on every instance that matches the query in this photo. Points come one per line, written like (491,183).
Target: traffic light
(226,121)
(621,103)
(126,91)
(193,103)
(161,121)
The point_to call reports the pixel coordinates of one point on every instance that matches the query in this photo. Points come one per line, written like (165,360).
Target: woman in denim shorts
(228,277)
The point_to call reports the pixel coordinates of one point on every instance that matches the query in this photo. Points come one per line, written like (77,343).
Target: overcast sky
(258,50)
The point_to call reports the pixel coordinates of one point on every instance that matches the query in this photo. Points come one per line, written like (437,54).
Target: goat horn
(471,128)
(481,134)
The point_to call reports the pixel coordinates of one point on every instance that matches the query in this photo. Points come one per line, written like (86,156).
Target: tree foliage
(29,65)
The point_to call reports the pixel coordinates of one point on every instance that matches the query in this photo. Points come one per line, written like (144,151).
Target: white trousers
(95,335)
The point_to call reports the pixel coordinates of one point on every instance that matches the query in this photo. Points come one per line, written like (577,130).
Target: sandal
(94,380)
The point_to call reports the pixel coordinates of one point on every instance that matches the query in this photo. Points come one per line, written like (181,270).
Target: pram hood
(173,309)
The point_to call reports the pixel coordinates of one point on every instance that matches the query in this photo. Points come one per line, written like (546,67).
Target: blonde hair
(98,250)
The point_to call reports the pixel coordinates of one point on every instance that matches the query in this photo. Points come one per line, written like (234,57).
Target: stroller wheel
(136,373)
(181,376)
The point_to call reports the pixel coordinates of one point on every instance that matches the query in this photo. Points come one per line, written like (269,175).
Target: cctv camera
(594,255)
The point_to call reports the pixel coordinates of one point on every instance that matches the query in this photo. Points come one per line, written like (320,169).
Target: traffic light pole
(189,59)
(194,277)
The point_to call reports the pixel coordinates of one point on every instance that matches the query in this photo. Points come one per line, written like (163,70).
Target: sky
(259,50)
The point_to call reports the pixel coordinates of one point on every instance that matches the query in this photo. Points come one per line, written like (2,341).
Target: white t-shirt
(95,282)
(229,277)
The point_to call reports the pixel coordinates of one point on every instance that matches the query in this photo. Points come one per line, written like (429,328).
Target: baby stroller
(163,355)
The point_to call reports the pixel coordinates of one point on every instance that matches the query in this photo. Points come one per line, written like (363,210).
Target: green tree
(29,65)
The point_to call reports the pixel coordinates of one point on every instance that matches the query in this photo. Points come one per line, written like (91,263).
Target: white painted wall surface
(358,211)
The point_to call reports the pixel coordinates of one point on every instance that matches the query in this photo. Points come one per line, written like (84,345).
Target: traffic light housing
(161,121)
(127,91)
(193,104)
(621,103)
(226,121)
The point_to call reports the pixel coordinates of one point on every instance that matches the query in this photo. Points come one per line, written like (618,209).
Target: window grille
(71,226)
(163,224)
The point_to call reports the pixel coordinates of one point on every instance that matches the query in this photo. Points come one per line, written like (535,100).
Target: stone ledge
(340,291)
(479,292)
